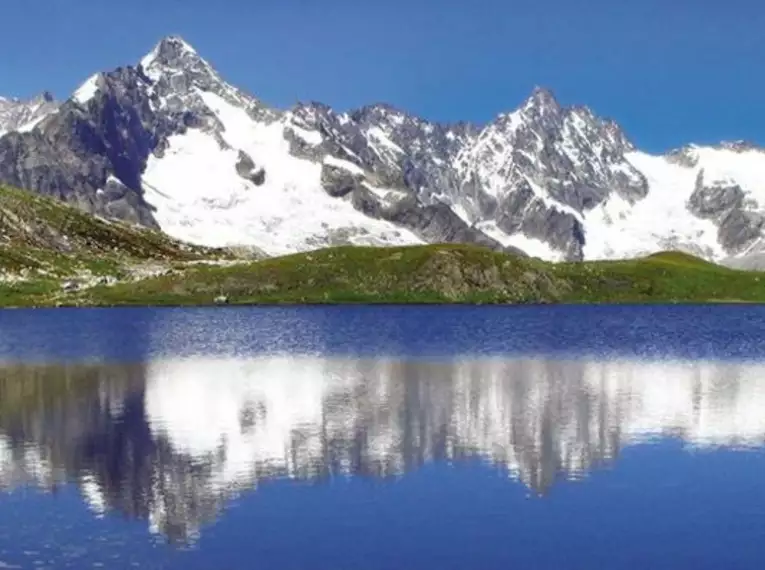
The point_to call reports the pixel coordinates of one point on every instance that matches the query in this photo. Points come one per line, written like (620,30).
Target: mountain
(23,116)
(169,144)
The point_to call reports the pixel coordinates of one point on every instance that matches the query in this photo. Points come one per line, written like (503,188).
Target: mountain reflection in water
(172,441)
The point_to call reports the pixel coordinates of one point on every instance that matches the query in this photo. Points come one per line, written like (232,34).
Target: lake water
(383,438)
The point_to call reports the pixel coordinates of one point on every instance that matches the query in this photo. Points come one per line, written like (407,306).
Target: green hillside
(52,254)
(46,246)
(442,274)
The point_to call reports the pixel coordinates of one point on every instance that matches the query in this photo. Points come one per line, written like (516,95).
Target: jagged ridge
(169,144)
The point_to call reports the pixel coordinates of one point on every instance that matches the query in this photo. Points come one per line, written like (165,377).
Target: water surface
(543,437)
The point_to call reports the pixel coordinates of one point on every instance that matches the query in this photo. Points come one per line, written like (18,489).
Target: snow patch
(661,220)
(343,164)
(723,166)
(311,137)
(87,90)
(541,194)
(386,194)
(462,212)
(530,246)
(25,128)
(379,138)
(200,198)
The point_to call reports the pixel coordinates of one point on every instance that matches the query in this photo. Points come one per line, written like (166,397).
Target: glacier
(170,144)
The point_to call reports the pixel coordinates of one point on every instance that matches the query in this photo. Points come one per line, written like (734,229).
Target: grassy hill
(46,245)
(442,274)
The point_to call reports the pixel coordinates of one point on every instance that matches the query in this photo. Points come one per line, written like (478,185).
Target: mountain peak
(739,145)
(172,51)
(541,98)
(174,44)
(44,97)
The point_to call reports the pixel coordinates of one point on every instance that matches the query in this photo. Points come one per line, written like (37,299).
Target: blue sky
(669,71)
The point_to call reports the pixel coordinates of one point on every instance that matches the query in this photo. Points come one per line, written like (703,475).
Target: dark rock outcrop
(738,227)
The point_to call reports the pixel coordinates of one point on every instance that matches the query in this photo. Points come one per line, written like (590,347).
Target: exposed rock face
(558,179)
(339,182)
(738,227)
(92,152)
(245,167)
(18,115)
(435,222)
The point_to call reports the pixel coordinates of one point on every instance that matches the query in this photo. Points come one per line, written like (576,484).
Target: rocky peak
(173,52)
(23,115)
(179,74)
(740,146)
(177,68)
(377,113)
(683,156)
(45,97)
(616,135)
(541,101)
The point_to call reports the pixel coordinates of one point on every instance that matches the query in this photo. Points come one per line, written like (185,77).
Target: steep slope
(48,248)
(705,200)
(169,144)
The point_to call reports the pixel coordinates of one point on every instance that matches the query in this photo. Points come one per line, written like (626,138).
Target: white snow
(462,212)
(200,198)
(657,222)
(23,116)
(550,203)
(531,246)
(309,136)
(726,166)
(26,127)
(381,142)
(344,164)
(87,90)
(385,194)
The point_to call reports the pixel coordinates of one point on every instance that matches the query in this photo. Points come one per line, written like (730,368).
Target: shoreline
(378,304)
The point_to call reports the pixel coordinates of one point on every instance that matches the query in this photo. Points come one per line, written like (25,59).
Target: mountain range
(167,143)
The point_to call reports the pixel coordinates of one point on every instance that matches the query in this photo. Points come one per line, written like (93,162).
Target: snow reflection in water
(172,441)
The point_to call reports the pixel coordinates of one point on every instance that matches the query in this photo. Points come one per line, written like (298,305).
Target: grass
(440,274)
(43,242)
(427,274)
(40,236)
(667,277)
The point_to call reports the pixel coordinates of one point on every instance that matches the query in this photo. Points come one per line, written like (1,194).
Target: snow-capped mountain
(23,116)
(169,143)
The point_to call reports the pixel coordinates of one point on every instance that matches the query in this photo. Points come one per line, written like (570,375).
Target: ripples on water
(220,403)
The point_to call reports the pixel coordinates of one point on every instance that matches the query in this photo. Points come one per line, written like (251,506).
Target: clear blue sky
(670,71)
